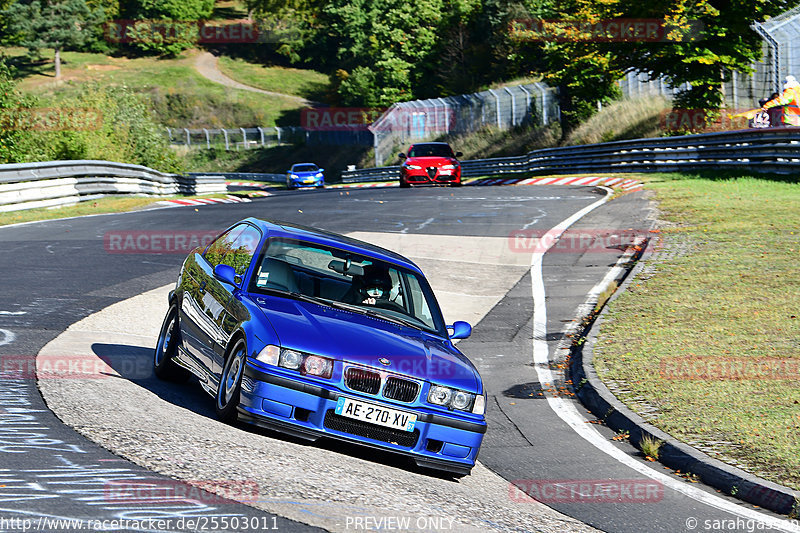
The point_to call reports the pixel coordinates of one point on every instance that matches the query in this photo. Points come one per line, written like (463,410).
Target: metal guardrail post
(227,145)
(542,88)
(208,139)
(527,99)
(279,134)
(513,106)
(261,133)
(378,156)
(435,115)
(773,45)
(188,137)
(244,138)
(497,104)
(446,115)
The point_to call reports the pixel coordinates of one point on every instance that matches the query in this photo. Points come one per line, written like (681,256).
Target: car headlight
(451,398)
(313,365)
(294,176)
(448,167)
(319,174)
(413,167)
(318,366)
(290,359)
(440,395)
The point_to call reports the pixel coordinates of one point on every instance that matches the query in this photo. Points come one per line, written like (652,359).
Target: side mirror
(227,274)
(321,170)
(461,330)
(459,154)
(401,155)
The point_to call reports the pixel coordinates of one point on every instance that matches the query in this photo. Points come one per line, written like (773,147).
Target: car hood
(431,161)
(306,173)
(355,338)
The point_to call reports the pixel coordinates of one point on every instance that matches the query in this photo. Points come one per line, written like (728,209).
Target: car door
(198,311)
(223,305)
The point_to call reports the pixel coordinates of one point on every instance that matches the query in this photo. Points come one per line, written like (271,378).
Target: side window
(222,245)
(396,293)
(242,250)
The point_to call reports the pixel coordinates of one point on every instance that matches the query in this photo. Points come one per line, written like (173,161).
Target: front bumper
(423,176)
(306,410)
(306,182)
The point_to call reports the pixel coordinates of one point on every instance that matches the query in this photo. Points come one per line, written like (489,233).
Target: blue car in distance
(319,335)
(305,175)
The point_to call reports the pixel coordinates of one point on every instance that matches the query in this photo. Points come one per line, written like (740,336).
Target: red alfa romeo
(430,163)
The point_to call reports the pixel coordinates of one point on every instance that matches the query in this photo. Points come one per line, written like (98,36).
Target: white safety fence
(503,108)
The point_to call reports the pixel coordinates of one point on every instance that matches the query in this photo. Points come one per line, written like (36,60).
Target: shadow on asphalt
(135,364)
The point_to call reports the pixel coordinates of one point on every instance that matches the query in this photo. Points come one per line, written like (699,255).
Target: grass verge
(179,95)
(309,84)
(708,333)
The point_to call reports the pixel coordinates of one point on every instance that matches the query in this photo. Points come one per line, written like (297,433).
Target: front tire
(230,383)
(164,365)
(404,184)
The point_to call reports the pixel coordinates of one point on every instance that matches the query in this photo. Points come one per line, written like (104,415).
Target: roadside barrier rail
(54,183)
(244,176)
(760,150)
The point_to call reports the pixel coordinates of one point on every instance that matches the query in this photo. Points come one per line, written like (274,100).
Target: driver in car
(376,285)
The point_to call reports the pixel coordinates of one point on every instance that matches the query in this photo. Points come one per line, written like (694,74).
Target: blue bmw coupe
(319,335)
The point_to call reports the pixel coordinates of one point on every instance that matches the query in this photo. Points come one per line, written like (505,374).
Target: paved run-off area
(171,430)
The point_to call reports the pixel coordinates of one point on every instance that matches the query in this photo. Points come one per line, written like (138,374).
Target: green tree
(383,46)
(708,40)
(53,24)
(12,137)
(704,41)
(166,26)
(178,10)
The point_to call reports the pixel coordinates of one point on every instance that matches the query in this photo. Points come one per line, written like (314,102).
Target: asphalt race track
(59,272)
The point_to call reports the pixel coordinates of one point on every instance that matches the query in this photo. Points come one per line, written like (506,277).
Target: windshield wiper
(371,312)
(297,295)
(345,306)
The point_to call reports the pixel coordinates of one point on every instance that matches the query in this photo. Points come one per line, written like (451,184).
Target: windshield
(343,279)
(430,150)
(305,168)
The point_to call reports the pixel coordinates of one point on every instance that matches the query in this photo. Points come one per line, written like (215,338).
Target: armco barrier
(31,185)
(759,150)
(244,176)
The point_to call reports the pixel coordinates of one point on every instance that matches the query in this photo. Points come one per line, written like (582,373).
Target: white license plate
(375,414)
